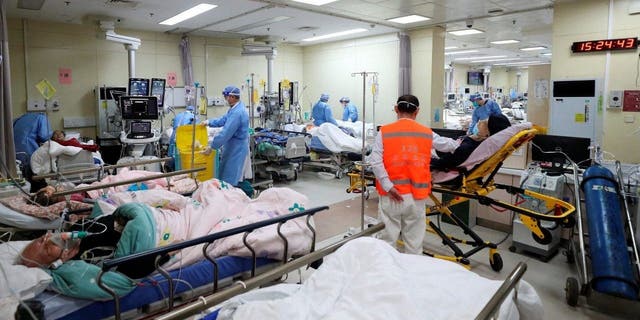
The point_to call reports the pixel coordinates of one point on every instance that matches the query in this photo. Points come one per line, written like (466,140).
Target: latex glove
(204,123)
(206,151)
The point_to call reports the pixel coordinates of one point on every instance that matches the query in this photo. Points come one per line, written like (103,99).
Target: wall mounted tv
(475,78)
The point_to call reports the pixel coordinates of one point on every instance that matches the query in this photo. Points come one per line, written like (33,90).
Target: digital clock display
(605,45)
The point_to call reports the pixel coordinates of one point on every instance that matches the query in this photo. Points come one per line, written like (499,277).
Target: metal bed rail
(158,253)
(98,168)
(491,309)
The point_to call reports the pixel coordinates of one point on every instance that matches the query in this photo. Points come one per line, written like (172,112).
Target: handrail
(120,183)
(493,306)
(98,168)
(206,302)
(109,264)
(632,230)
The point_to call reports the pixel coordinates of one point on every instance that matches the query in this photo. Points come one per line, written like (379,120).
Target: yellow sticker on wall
(46,89)
(579,117)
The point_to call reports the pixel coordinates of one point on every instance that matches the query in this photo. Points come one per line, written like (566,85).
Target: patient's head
(42,252)
(58,135)
(497,123)
(44,196)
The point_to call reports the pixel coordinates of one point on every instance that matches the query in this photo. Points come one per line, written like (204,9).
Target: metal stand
(364,75)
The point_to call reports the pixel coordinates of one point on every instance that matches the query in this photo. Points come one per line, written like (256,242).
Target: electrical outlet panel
(36,105)
(55,104)
(615,99)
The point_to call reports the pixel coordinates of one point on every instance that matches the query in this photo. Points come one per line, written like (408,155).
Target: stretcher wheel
(348,190)
(339,174)
(547,236)
(366,195)
(295,175)
(496,262)
(569,222)
(572,291)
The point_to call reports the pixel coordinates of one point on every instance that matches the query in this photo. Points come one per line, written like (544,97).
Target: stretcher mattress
(148,291)
(19,220)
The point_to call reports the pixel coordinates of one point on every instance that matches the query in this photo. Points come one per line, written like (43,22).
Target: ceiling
(290,22)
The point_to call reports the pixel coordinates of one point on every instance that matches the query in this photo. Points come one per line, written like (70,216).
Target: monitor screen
(138,87)
(467,90)
(107,93)
(475,78)
(575,148)
(140,126)
(157,90)
(580,88)
(451,97)
(485,96)
(136,108)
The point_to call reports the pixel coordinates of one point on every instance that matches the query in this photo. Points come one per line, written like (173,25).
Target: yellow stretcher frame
(475,186)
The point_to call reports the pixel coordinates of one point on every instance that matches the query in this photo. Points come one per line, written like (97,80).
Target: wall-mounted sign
(605,45)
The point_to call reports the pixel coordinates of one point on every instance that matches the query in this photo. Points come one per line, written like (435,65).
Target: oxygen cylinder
(610,262)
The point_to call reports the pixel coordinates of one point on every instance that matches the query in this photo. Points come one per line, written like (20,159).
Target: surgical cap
(324,97)
(475,97)
(231,91)
(345,99)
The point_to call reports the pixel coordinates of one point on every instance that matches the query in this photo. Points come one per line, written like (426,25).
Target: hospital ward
(319,159)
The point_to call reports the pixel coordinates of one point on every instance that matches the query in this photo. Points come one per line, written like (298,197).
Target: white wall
(328,67)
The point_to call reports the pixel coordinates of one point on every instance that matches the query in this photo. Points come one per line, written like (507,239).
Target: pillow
(31,281)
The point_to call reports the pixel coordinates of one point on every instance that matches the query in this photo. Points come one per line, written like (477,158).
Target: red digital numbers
(605,45)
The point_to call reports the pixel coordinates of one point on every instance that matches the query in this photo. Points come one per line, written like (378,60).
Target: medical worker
(482,109)
(233,140)
(29,131)
(321,111)
(350,112)
(400,160)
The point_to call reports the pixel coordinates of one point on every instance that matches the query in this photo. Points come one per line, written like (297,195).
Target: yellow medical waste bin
(184,140)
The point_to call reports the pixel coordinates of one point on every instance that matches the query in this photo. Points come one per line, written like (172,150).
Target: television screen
(580,88)
(574,147)
(157,90)
(138,87)
(137,108)
(475,78)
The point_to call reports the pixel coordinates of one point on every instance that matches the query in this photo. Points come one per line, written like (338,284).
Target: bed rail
(98,168)
(130,181)
(158,253)
(206,302)
(492,307)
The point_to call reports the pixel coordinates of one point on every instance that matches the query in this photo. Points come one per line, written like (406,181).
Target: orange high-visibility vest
(406,156)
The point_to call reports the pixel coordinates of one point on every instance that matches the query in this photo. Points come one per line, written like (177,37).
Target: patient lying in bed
(160,218)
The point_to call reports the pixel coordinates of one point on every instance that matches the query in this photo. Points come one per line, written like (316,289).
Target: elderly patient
(486,128)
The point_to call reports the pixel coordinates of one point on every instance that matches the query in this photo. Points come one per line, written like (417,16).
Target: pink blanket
(178,184)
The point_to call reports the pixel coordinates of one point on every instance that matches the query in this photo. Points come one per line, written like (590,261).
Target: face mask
(475,104)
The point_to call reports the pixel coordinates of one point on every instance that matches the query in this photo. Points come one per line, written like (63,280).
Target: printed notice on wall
(541,89)
(172,79)
(64,76)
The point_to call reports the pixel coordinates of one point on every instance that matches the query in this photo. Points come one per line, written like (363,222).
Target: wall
(538,106)
(96,62)
(328,68)
(589,21)
(427,73)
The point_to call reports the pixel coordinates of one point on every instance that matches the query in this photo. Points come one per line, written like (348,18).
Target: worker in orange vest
(400,160)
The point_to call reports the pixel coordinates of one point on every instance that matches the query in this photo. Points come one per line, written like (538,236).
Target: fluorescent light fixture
(409,19)
(480,57)
(521,63)
(315,2)
(335,34)
(188,14)
(505,41)
(533,48)
(260,23)
(494,60)
(547,54)
(460,52)
(451,47)
(465,32)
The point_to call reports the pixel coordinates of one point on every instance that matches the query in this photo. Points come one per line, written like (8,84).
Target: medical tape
(204,301)
(244,285)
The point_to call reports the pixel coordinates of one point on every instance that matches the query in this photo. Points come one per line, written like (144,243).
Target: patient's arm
(444,144)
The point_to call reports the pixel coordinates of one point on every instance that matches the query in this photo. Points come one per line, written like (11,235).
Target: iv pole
(364,75)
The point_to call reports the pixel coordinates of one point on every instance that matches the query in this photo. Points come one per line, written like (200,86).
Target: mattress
(19,220)
(148,291)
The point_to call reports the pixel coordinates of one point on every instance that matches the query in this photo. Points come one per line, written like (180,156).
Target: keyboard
(139,135)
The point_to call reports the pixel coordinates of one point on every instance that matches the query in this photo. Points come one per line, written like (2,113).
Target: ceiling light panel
(335,34)
(260,23)
(188,14)
(460,52)
(481,57)
(409,19)
(533,48)
(465,32)
(494,60)
(451,47)
(505,41)
(315,2)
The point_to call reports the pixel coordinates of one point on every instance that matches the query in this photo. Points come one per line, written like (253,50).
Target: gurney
(474,179)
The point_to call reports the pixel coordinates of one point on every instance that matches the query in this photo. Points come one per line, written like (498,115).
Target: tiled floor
(345,211)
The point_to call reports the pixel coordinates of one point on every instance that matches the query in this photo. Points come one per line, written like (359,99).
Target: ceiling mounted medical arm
(131,44)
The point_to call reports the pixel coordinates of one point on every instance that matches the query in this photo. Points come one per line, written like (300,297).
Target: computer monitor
(138,87)
(139,108)
(475,78)
(451,97)
(575,148)
(485,96)
(157,90)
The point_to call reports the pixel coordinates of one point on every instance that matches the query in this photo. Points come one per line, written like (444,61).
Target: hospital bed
(348,286)
(165,290)
(52,157)
(282,151)
(474,179)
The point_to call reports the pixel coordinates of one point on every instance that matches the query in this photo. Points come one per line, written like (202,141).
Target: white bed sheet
(334,139)
(368,279)
(19,220)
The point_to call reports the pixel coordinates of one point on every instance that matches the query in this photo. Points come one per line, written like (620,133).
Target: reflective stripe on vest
(407,134)
(412,183)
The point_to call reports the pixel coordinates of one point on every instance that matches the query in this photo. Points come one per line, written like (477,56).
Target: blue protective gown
(490,108)
(29,131)
(321,113)
(233,141)
(350,113)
